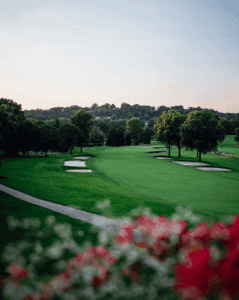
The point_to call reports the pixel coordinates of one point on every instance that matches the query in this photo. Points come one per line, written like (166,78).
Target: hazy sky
(147,52)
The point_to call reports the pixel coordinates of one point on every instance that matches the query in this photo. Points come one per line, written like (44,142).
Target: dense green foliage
(202,131)
(146,136)
(10,115)
(168,129)
(83,120)
(51,139)
(29,137)
(70,135)
(237,134)
(134,126)
(126,111)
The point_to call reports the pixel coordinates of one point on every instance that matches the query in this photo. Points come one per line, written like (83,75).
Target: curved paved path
(104,223)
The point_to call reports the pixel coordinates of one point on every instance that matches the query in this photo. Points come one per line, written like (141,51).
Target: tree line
(125,111)
(200,129)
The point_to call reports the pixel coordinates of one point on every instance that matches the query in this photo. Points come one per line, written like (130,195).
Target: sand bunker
(163,148)
(162,157)
(190,163)
(74,163)
(213,169)
(161,152)
(80,171)
(82,157)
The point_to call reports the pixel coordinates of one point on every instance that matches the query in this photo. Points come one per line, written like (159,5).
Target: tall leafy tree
(229,128)
(10,115)
(57,123)
(146,138)
(29,136)
(111,137)
(119,136)
(8,130)
(51,139)
(177,121)
(128,139)
(168,129)
(83,120)
(134,126)
(237,135)
(70,135)
(202,132)
(1,152)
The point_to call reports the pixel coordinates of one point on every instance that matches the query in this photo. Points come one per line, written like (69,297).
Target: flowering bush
(151,256)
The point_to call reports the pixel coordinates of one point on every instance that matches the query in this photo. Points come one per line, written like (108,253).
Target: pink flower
(125,237)
(47,293)
(178,227)
(144,224)
(201,234)
(219,231)
(61,282)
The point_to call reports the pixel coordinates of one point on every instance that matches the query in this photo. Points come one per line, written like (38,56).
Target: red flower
(17,272)
(193,276)
(228,270)
(133,272)
(98,280)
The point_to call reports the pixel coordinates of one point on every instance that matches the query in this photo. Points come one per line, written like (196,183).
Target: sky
(148,52)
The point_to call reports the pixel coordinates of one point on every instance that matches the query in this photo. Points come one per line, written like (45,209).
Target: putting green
(164,182)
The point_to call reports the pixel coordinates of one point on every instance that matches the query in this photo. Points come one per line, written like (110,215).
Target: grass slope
(129,176)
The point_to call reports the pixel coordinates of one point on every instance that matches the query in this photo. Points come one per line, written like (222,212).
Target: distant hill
(126,111)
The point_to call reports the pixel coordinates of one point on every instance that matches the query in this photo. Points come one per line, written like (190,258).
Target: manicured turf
(129,176)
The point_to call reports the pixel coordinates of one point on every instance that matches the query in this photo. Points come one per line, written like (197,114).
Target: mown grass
(129,176)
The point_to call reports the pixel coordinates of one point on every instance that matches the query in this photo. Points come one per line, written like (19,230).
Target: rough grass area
(129,176)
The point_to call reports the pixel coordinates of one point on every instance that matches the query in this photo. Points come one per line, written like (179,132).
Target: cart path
(109,225)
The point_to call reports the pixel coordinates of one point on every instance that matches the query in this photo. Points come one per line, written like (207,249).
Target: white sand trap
(74,163)
(190,163)
(213,169)
(163,157)
(163,148)
(80,171)
(82,157)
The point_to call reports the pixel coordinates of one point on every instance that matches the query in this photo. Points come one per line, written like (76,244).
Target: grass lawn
(129,176)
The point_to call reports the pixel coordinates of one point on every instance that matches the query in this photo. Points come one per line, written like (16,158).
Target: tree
(146,138)
(51,139)
(83,120)
(177,121)
(128,139)
(119,136)
(111,137)
(168,129)
(1,152)
(134,126)
(70,135)
(229,129)
(57,123)
(8,122)
(202,132)
(237,135)
(29,136)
